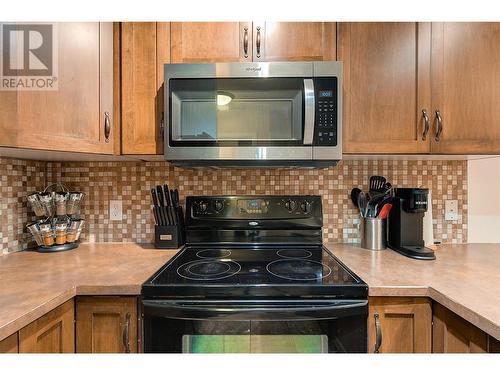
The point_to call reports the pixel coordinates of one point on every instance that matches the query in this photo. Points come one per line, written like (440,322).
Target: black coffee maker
(406,223)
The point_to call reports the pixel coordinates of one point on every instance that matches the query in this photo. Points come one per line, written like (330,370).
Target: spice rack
(58,226)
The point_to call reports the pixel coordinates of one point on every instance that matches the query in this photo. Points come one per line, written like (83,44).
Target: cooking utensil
(354,196)
(384,212)
(362,203)
(155,207)
(377,184)
(162,210)
(168,199)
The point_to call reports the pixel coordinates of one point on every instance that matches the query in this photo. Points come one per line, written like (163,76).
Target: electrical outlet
(451,210)
(115,210)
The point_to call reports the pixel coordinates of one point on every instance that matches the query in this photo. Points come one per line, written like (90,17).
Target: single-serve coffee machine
(406,223)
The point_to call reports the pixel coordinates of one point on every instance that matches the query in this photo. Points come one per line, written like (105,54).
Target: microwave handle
(309,110)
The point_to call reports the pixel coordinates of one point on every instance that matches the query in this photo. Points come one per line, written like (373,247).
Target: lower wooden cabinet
(399,325)
(106,325)
(52,333)
(453,334)
(10,344)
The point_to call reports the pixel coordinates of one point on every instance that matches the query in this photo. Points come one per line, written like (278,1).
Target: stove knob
(219,205)
(202,206)
(305,207)
(290,205)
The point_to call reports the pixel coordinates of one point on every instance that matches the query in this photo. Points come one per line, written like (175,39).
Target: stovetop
(250,272)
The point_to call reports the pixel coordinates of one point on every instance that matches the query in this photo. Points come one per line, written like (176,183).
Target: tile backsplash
(131,183)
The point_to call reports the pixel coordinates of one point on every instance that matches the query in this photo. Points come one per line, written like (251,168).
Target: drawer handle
(378,333)
(245,42)
(427,124)
(126,336)
(440,125)
(107,126)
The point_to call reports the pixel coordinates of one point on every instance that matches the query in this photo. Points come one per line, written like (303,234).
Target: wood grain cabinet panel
(295,41)
(10,344)
(52,333)
(386,86)
(106,325)
(466,87)
(403,324)
(73,117)
(453,334)
(209,42)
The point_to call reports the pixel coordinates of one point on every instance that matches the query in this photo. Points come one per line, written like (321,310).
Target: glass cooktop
(273,271)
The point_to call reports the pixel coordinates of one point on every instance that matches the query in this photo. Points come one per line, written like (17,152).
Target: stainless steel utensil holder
(373,233)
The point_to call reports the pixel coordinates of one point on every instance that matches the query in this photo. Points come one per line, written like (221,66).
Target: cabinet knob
(107,126)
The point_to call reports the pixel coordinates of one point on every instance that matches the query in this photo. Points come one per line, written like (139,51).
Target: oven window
(255,344)
(228,111)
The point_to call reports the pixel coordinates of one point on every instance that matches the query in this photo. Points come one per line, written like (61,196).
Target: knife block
(168,237)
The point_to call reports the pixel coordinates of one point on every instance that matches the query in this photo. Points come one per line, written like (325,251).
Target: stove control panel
(258,207)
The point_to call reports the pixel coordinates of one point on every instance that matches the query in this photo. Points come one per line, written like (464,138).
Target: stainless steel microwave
(254,114)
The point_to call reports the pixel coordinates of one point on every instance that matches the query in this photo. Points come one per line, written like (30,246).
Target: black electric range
(254,271)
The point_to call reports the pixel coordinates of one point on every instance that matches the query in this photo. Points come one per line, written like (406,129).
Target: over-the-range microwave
(254,114)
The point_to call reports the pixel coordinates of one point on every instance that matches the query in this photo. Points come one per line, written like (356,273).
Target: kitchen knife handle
(159,192)
(168,198)
(154,198)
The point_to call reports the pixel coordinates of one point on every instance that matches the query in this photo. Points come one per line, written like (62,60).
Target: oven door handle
(309,111)
(192,310)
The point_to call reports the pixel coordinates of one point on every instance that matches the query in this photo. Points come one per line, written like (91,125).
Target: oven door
(255,326)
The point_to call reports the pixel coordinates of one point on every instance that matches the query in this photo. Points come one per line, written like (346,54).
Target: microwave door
(309,109)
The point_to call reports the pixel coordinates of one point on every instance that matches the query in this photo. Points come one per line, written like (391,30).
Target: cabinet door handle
(126,337)
(162,124)
(440,125)
(378,333)
(107,126)
(245,42)
(426,124)
(257,43)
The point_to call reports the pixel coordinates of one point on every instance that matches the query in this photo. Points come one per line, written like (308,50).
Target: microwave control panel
(325,119)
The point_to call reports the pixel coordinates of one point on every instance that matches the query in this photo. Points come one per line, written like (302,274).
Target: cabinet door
(140,103)
(452,334)
(386,86)
(52,333)
(294,41)
(466,87)
(402,325)
(206,42)
(73,117)
(10,344)
(106,325)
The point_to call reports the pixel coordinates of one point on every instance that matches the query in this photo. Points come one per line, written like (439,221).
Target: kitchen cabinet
(52,333)
(10,344)
(386,85)
(466,87)
(399,325)
(78,115)
(453,334)
(145,47)
(106,325)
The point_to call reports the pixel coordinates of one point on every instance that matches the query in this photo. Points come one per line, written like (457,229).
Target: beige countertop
(463,278)
(32,284)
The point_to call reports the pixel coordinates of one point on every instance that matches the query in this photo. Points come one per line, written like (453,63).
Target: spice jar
(74,230)
(60,199)
(74,200)
(36,205)
(47,202)
(61,233)
(35,231)
(47,234)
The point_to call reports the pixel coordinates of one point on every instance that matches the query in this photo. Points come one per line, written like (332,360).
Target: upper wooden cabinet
(386,86)
(78,116)
(399,325)
(52,333)
(466,87)
(106,325)
(294,41)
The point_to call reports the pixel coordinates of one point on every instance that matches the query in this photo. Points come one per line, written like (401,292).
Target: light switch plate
(115,210)
(451,210)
